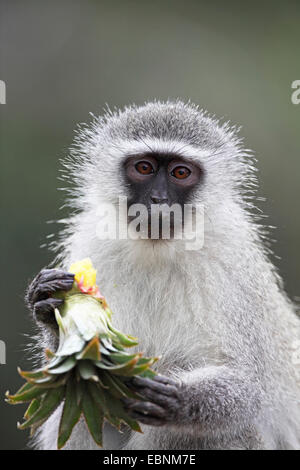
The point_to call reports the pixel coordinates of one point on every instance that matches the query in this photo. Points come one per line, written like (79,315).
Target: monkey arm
(210,400)
(219,397)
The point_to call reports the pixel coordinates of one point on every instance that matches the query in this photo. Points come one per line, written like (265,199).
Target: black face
(161,179)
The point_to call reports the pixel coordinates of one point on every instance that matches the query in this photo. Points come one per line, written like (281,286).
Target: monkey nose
(159,199)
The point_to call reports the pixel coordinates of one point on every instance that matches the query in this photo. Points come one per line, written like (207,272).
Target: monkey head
(161,154)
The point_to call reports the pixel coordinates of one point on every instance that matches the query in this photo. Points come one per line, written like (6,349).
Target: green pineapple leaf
(71,412)
(91,351)
(49,403)
(94,417)
(64,367)
(26,393)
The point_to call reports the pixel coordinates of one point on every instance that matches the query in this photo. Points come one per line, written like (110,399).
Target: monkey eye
(181,172)
(145,168)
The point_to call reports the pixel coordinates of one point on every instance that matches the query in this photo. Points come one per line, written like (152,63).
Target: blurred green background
(62,59)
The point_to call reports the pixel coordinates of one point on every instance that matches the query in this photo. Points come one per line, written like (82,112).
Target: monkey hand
(164,405)
(39,295)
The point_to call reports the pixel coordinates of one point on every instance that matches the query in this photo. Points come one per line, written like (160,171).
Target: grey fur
(219,317)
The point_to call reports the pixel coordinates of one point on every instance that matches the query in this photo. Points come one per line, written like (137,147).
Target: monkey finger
(54,274)
(158,398)
(44,308)
(43,290)
(146,408)
(149,420)
(48,305)
(165,389)
(165,380)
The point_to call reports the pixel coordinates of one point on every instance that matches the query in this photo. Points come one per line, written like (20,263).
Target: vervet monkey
(218,316)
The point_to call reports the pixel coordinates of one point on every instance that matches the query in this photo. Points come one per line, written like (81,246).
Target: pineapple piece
(89,370)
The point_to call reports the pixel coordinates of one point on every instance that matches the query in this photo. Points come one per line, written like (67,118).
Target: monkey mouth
(162,229)
(160,234)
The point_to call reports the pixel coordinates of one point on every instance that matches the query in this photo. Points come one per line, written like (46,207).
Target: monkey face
(156,155)
(156,179)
